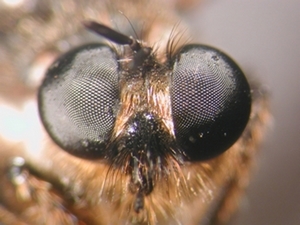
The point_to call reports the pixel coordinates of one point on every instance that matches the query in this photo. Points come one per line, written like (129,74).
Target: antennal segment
(112,35)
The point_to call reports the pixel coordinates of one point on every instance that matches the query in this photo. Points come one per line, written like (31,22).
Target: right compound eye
(210,99)
(78,100)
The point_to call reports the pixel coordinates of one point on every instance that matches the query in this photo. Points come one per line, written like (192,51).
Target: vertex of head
(140,53)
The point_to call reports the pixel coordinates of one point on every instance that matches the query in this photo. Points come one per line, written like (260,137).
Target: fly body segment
(134,126)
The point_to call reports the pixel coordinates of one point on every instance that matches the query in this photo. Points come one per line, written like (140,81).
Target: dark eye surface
(210,100)
(78,99)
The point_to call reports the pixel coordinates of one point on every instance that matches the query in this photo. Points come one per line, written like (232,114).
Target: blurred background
(263,36)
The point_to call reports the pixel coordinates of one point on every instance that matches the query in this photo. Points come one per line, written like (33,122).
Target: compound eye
(78,100)
(210,99)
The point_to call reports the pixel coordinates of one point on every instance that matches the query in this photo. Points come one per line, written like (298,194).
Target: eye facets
(210,100)
(78,97)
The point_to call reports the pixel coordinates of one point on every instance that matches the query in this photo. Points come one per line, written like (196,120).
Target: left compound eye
(78,100)
(210,99)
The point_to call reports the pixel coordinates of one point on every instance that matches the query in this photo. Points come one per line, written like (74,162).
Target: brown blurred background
(264,37)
